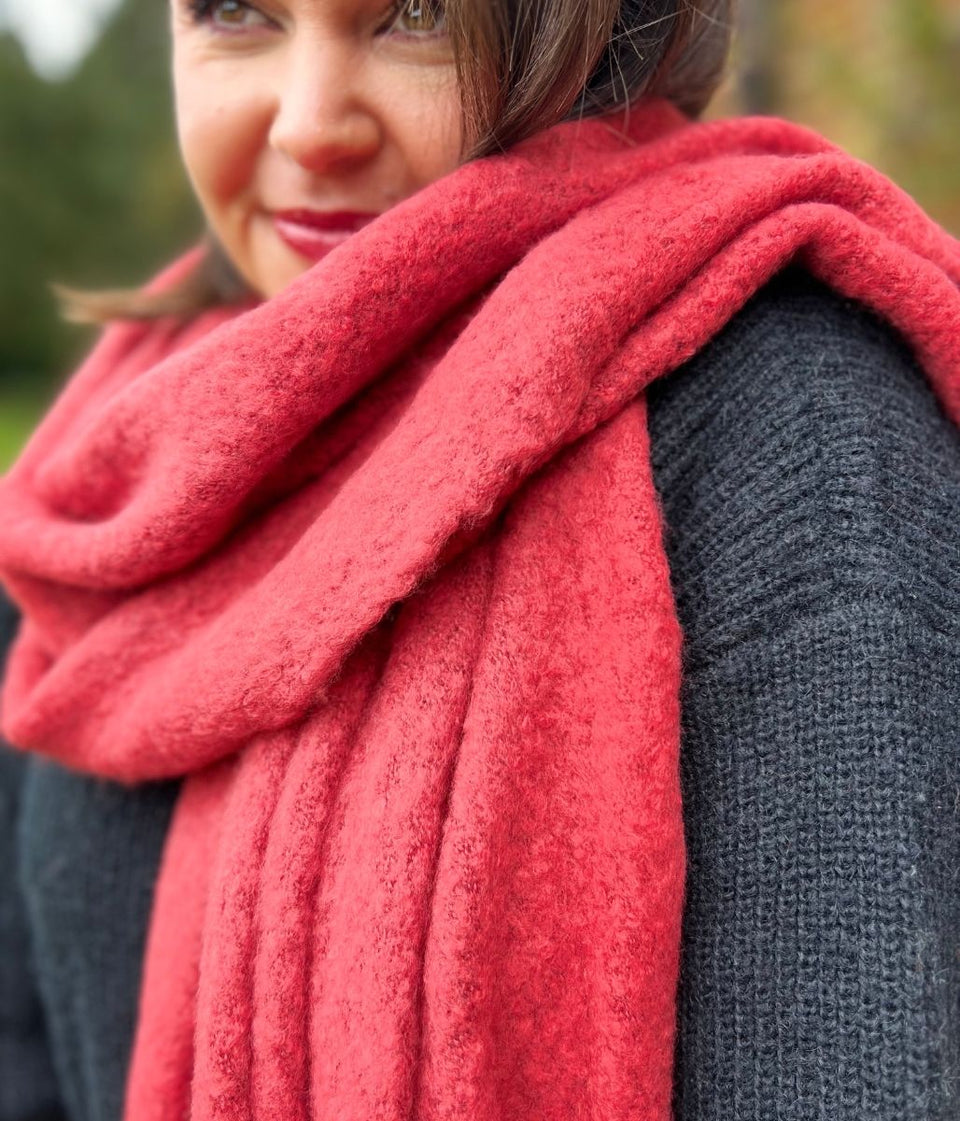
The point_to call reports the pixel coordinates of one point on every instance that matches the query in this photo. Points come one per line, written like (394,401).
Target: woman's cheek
(220,138)
(427,124)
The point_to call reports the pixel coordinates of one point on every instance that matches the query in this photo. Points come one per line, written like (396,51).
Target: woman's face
(299,120)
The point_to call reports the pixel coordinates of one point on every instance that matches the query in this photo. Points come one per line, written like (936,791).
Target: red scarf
(378,566)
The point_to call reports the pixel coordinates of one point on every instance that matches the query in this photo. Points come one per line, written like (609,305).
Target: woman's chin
(274,266)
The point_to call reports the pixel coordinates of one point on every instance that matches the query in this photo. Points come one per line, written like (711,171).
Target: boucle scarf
(377,565)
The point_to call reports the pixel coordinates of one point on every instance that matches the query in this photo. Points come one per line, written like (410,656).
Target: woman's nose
(322,117)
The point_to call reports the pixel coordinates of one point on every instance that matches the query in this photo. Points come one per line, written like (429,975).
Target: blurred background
(92,193)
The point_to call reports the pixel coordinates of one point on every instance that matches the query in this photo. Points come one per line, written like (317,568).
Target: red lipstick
(313,233)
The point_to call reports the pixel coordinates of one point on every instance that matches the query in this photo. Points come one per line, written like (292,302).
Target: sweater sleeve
(810,488)
(28,1087)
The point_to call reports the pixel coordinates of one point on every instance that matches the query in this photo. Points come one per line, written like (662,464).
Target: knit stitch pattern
(810,486)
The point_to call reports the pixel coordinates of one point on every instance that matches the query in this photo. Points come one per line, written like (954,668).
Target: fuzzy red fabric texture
(377,565)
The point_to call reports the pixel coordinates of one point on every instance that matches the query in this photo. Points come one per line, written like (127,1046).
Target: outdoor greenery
(92,192)
(880,78)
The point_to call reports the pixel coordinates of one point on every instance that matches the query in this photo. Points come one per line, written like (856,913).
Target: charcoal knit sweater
(810,485)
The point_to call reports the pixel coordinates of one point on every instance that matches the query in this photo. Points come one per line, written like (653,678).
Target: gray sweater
(810,485)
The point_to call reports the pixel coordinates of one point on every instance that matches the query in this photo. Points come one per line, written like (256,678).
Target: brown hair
(523,65)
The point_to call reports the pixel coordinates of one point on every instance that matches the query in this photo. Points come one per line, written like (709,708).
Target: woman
(348,689)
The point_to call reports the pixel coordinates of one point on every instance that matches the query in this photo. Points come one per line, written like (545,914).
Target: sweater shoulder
(9,621)
(802,460)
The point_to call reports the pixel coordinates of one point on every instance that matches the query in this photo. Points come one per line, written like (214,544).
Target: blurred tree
(759,36)
(881,78)
(91,189)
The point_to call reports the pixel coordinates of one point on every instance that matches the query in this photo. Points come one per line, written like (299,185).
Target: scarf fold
(376,565)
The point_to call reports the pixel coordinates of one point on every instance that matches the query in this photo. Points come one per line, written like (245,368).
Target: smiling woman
(300,121)
(348,106)
(489,620)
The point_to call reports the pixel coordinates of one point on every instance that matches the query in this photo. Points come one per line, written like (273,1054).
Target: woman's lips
(313,233)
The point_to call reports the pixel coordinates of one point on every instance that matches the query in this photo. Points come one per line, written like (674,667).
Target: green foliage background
(880,78)
(92,192)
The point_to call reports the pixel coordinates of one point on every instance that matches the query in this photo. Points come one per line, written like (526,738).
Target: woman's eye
(226,13)
(420,17)
(410,17)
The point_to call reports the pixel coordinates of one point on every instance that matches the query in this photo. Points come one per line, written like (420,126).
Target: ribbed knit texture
(810,483)
(28,1088)
(89,856)
(812,489)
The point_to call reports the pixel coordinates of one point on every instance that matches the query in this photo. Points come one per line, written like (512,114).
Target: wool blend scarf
(376,565)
